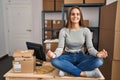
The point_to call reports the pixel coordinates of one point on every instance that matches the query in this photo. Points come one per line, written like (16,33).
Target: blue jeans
(74,63)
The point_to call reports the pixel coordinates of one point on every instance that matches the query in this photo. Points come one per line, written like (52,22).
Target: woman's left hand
(102,54)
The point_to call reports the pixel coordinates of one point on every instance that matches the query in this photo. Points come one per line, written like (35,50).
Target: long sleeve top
(73,41)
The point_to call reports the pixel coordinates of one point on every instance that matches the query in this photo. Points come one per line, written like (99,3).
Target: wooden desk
(10,75)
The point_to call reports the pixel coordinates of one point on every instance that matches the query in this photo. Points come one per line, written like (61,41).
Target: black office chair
(38,50)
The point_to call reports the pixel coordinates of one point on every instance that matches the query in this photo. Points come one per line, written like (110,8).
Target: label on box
(17,66)
(58,22)
(45,21)
(45,36)
(45,25)
(54,22)
(48,46)
(45,32)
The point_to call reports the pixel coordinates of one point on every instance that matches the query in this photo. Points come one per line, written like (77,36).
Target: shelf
(51,11)
(51,29)
(64,12)
(84,5)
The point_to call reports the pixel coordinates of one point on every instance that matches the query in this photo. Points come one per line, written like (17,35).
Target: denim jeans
(74,63)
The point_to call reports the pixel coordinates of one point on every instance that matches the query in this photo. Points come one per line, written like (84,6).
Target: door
(19,23)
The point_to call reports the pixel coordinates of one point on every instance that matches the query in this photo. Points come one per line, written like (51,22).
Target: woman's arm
(89,44)
(90,47)
(60,47)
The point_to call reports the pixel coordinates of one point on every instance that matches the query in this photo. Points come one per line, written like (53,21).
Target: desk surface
(33,75)
(53,74)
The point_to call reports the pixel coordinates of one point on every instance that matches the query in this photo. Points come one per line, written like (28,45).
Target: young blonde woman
(71,39)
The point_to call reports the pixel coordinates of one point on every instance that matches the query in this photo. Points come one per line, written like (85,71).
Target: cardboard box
(48,5)
(115,70)
(48,24)
(57,24)
(24,61)
(111,70)
(117,23)
(111,21)
(110,40)
(51,45)
(107,42)
(117,46)
(48,34)
(106,68)
(56,34)
(52,5)
(24,65)
(94,1)
(73,1)
(109,31)
(58,4)
(23,53)
(86,23)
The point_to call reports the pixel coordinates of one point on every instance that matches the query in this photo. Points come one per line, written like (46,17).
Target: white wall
(91,14)
(2,37)
(110,1)
(37,32)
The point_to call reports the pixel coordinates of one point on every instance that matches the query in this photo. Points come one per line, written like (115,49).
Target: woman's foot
(62,73)
(94,73)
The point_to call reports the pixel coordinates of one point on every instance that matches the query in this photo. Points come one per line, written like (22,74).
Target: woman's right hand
(51,54)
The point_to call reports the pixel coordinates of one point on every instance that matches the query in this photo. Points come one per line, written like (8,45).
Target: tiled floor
(5,65)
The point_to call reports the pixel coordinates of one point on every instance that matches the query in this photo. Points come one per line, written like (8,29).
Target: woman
(71,40)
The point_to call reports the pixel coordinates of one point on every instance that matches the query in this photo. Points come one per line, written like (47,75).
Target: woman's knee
(99,62)
(55,62)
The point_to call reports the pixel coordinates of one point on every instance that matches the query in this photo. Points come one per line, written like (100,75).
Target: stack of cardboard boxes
(83,1)
(48,24)
(73,1)
(51,45)
(94,1)
(48,5)
(24,61)
(57,24)
(52,5)
(48,34)
(110,40)
(56,5)
(86,23)
(52,28)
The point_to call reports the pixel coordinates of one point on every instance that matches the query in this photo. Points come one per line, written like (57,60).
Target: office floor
(5,65)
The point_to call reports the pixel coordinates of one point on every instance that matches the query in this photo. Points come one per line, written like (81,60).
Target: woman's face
(75,16)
